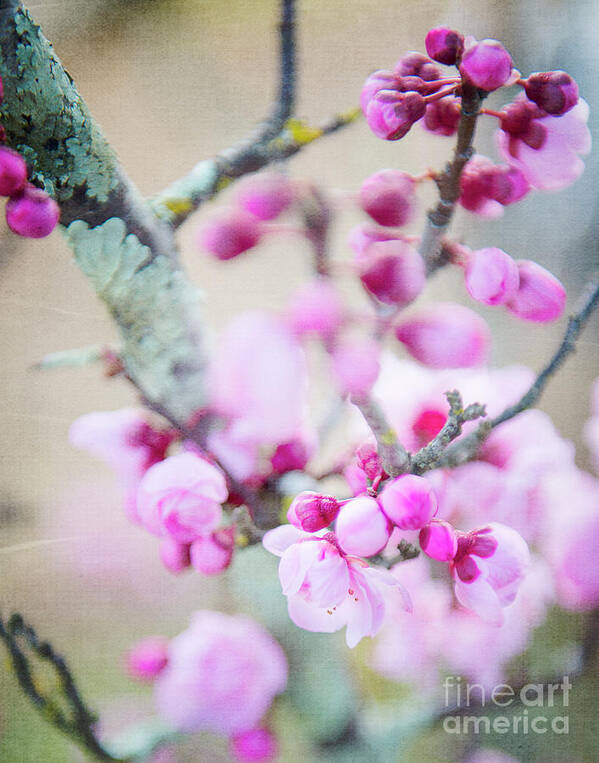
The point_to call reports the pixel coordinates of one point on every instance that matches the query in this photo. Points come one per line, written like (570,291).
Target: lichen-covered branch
(429,456)
(466,449)
(129,255)
(61,705)
(394,457)
(448,182)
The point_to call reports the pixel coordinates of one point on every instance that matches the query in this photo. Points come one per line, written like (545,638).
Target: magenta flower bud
(174,555)
(316,308)
(439,540)
(254,746)
(289,456)
(212,554)
(540,297)
(444,45)
(409,502)
(32,213)
(393,271)
(507,184)
(369,461)
(356,366)
(491,276)
(486,64)
(265,195)
(13,172)
(442,117)
(146,659)
(229,234)
(486,187)
(390,114)
(554,92)
(389,197)
(445,335)
(313,511)
(415,64)
(362,528)
(379,80)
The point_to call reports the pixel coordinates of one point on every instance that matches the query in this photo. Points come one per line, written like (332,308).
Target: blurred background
(171,82)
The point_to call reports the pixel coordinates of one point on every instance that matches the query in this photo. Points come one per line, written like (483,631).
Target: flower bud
(415,64)
(554,92)
(439,540)
(369,461)
(174,555)
(393,271)
(265,195)
(146,659)
(390,114)
(13,172)
(486,64)
(289,456)
(254,746)
(442,117)
(444,45)
(379,80)
(361,527)
(32,213)
(540,297)
(389,197)
(362,236)
(228,234)
(312,512)
(445,335)
(316,308)
(356,365)
(409,502)
(491,276)
(212,554)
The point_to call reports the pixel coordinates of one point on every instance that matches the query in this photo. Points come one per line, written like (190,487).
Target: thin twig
(466,449)
(448,182)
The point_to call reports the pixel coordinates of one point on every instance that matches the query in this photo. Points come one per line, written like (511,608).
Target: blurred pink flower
(327,590)
(223,673)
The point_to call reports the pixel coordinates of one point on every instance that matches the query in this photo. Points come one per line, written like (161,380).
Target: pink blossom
(355,365)
(492,276)
(389,197)
(312,512)
(361,527)
(444,45)
(442,116)
(258,379)
(379,80)
(554,92)
(147,658)
(291,456)
(540,296)
(223,673)
(409,501)
(415,64)
(32,213)
(254,746)
(486,188)
(327,590)
(265,195)
(13,172)
(315,308)
(228,234)
(391,114)
(174,555)
(369,460)
(439,540)
(488,568)
(486,64)
(181,497)
(362,236)
(445,335)
(212,554)
(393,271)
(544,147)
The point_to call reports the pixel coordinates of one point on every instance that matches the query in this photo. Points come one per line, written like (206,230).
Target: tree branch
(448,182)
(394,457)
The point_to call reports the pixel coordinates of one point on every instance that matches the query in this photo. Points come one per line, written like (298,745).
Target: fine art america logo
(533,708)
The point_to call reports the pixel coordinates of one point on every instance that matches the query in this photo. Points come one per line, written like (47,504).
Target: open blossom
(222,675)
(326,589)
(488,568)
(545,148)
(181,497)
